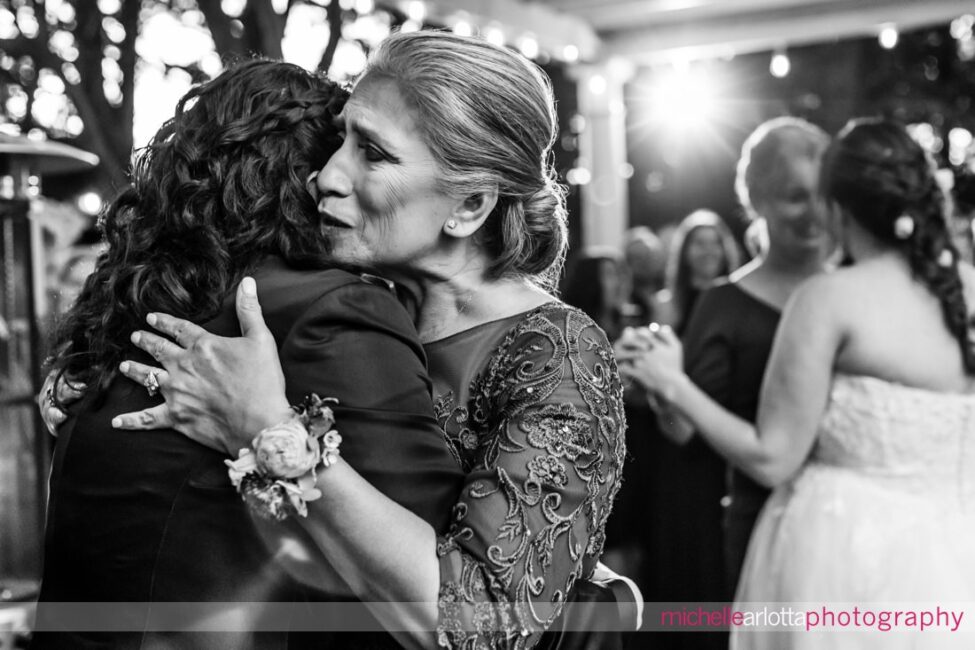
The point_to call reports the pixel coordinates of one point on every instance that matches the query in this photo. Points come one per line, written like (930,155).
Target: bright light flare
(959,143)
(494,34)
(888,37)
(90,203)
(528,45)
(416,11)
(780,65)
(682,98)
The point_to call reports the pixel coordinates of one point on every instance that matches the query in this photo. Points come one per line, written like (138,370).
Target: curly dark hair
(877,173)
(220,187)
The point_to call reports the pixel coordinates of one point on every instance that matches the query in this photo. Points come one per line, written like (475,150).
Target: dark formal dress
(726,349)
(151,516)
(532,408)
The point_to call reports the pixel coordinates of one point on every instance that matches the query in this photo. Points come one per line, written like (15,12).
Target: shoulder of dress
(293,298)
(279,282)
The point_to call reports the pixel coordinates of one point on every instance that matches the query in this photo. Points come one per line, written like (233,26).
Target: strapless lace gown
(881,517)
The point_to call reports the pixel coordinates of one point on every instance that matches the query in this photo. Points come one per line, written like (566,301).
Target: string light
(888,37)
(528,46)
(597,84)
(416,11)
(780,64)
(494,34)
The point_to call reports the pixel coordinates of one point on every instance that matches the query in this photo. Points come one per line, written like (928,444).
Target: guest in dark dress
(730,334)
(598,283)
(679,488)
(646,259)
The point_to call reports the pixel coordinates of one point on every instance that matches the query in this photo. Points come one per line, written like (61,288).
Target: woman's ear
(470,213)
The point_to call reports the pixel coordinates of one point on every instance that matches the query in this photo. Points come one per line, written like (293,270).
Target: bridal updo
(886,181)
(488,116)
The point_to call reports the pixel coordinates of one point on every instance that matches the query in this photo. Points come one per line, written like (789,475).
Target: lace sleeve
(530,519)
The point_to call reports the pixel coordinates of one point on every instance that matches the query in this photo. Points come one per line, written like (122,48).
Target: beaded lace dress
(531,406)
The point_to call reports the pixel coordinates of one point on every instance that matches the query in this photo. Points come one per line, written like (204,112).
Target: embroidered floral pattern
(547,470)
(541,438)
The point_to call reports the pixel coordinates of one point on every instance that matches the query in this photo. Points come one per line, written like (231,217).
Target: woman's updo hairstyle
(762,166)
(886,181)
(488,116)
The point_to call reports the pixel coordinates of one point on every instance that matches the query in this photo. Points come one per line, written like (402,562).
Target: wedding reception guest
(866,408)
(962,219)
(755,238)
(149,517)
(646,259)
(598,283)
(729,338)
(685,484)
(702,250)
(455,199)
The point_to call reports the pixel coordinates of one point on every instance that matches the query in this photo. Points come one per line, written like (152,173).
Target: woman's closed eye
(371,152)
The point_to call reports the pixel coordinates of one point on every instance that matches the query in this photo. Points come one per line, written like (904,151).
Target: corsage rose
(286,450)
(277,477)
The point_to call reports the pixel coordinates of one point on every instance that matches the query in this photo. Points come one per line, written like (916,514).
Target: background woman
(457,199)
(866,408)
(599,284)
(728,340)
(701,251)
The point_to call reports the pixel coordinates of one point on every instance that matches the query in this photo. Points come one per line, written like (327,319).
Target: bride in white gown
(867,420)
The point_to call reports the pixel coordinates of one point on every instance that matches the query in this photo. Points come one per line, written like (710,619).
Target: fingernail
(124,366)
(248,286)
(136,336)
(151,319)
(116,423)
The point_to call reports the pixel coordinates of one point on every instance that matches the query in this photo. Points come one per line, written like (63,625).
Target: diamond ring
(151,383)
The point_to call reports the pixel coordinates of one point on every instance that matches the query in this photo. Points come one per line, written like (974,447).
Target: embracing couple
(479,437)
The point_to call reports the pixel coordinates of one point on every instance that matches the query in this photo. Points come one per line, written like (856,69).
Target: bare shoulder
(828,288)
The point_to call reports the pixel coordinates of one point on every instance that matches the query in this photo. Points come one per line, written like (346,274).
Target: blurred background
(655,98)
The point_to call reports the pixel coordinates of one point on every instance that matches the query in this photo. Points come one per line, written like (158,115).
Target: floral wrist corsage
(276,477)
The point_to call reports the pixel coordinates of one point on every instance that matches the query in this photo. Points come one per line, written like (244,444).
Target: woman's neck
(790,264)
(457,304)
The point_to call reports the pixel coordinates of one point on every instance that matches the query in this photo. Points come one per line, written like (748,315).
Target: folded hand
(654,358)
(54,397)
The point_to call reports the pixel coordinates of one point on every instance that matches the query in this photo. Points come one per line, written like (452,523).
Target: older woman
(444,183)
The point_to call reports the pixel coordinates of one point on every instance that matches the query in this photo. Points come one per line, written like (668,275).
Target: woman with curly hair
(220,193)
(865,418)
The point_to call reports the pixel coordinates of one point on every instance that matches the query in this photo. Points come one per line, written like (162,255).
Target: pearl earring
(451,224)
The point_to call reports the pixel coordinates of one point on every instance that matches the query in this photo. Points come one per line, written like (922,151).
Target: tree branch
(264,28)
(228,46)
(333,14)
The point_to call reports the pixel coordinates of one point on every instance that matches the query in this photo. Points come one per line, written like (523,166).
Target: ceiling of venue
(651,31)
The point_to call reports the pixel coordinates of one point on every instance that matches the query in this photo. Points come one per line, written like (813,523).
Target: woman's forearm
(731,436)
(672,422)
(383,551)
